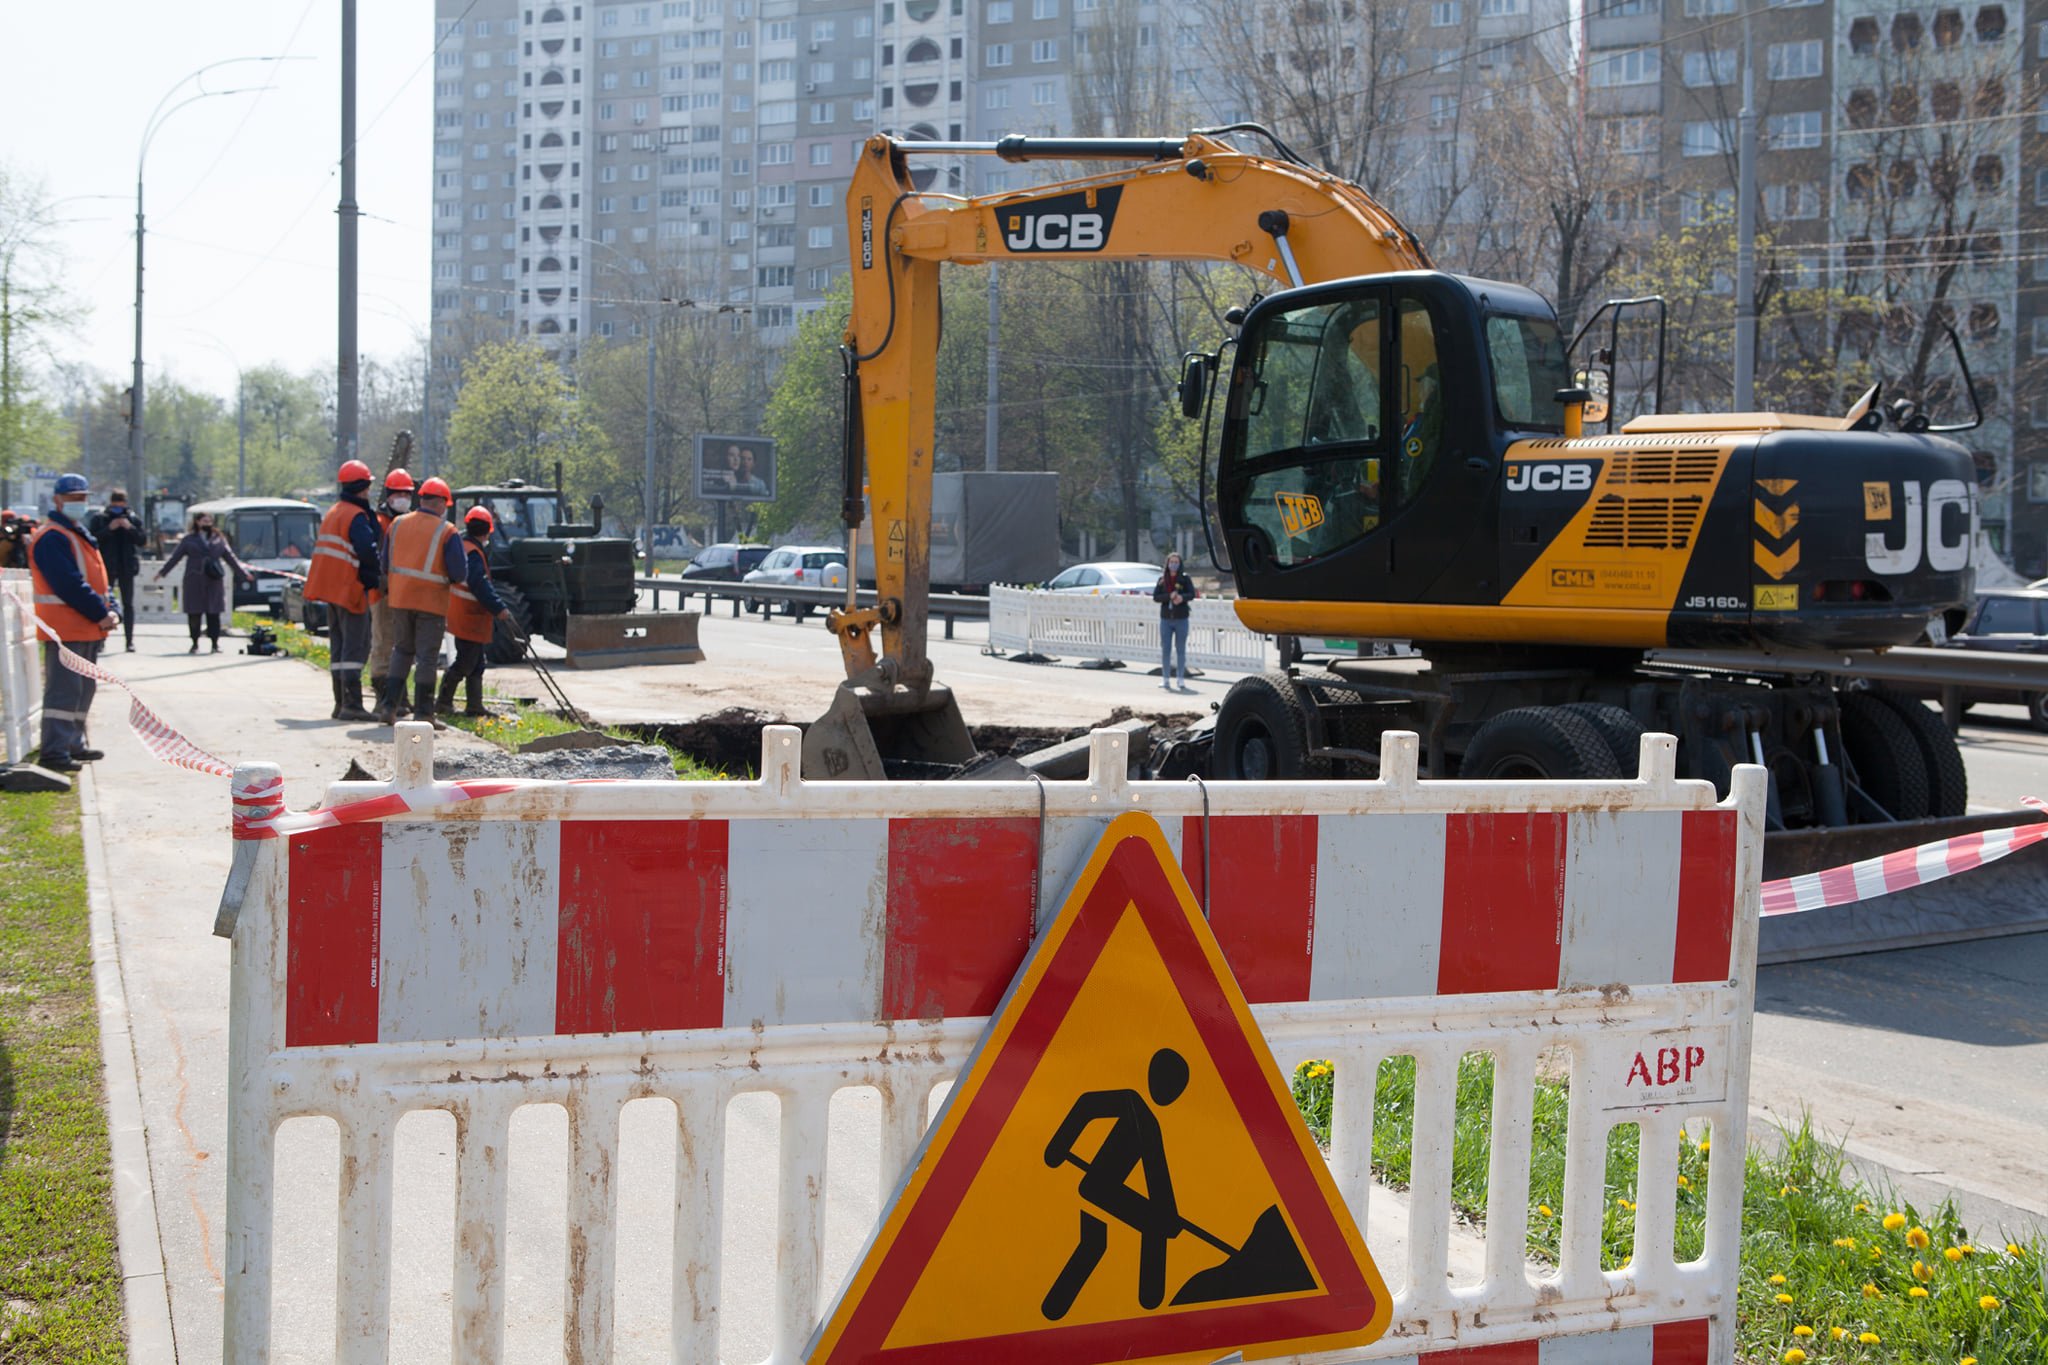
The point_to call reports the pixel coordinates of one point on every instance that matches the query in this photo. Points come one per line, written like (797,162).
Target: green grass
(60,1279)
(512,726)
(1816,1248)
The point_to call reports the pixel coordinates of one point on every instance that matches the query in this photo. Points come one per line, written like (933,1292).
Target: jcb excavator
(1402,454)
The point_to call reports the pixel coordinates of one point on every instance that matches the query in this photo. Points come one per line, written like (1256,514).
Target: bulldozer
(1404,453)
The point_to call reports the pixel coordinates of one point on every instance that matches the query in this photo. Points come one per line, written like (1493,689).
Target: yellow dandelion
(1922,1271)
(1916,1292)
(1967,1249)
(1988,1303)
(1706,1145)
(1917,1238)
(1777,1279)
(1624,1204)
(1967,1360)
(1784,1298)
(1837,1333)
(1953,1254)
(1894,1221)
(1544,1209)
(1795,1356)
(1848,1243)
(1684,1184)
(1863,1208)
(1802,1330)
(1869,1338)
(1877,1253)
(2012,1248)
(1871,1291)
(1784,1190)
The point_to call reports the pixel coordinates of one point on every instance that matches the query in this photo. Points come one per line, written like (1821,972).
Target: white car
(1108,579)
(809,566)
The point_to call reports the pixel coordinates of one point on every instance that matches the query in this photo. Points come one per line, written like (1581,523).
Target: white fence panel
(711,944)
(1118,627)
(21,665)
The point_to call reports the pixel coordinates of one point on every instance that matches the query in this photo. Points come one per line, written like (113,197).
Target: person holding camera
(70,583)
(120,536)
(207,557)
(1173,592)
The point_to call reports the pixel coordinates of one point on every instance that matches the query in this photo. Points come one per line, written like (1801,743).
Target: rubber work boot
(387,707)
(476,698)
(352,698)
(423,708)
(444,699)
(340,697)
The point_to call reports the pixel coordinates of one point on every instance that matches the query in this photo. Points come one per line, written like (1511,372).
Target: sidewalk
(165,834)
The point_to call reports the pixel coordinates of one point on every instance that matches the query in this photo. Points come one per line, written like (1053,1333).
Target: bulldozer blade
(871,734)
(643,638)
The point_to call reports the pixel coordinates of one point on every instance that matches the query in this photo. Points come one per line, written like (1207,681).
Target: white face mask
(401,502)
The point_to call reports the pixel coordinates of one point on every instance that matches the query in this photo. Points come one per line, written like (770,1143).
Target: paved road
(1933,1063)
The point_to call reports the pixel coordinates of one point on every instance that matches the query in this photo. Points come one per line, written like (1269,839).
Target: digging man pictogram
(1269,1262)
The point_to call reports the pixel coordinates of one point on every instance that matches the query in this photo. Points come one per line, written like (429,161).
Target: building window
(1706,138)
(1634,66)
(1494,9)
(775,276)
(996,54)
(1045,50)
(776,154)
(1710,68)
(1906,32)
(1793,132)
(998,97)
(1795,61)
(820,238)
(2041,336)
(999,11)
(1991,24)
(1863,36)
(1446,14)
(1988,174)
(1700,9)
(1042,92)
(1796,201)
(821,153)
(1442,109)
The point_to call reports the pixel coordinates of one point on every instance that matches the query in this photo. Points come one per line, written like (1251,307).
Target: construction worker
(397,501)
(422,556)
(70,584)
(346,569)
(474,609)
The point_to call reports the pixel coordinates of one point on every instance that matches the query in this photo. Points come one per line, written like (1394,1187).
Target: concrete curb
(145,1292)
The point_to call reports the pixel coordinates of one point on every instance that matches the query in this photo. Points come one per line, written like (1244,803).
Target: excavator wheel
(1619,728)
(1260,733)
(1948,781)
(1885,754)
(1537,742)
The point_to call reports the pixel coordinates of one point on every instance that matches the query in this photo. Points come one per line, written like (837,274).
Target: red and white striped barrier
(21,671)
(700,944)
(162,740)
(1900,870)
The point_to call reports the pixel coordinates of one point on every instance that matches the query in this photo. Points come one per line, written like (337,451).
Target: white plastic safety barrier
(1120,626)
(21,665)
(485,948)
(160,599)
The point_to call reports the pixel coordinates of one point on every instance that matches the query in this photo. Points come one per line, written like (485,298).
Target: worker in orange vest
(474,609)
(422,556)
(397,501)
(69,580)
(346,569)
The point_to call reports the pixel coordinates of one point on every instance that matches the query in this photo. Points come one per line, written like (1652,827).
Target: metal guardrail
(946,607)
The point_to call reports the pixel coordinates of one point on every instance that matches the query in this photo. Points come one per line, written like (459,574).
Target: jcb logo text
(1055,232)
(1550,478)
(1941,530)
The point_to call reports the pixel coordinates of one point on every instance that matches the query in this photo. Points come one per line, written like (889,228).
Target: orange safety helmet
(398,481)
(435,488)
(482,514)
(354,471)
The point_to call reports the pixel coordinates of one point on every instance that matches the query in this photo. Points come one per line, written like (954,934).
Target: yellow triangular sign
(1119,1174)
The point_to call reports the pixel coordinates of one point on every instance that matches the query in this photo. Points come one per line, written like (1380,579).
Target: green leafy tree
(517,414)
(33,309)
(804,416)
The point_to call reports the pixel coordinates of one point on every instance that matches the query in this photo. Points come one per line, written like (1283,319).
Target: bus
(272,536)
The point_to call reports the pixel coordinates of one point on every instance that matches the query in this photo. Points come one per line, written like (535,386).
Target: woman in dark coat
(208,560)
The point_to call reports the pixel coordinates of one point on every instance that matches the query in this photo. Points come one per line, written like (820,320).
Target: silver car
(809,566)
(1109,578)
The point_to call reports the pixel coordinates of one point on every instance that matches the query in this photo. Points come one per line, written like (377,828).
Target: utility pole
(241,435)
(995,314)
(647,490)
(346,357)
(1745,229)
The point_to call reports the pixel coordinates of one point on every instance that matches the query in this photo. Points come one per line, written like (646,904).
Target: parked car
(725,563)
(810,566)
(2008,621)
(1109,578)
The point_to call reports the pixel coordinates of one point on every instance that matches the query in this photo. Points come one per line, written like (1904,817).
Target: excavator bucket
(871,734)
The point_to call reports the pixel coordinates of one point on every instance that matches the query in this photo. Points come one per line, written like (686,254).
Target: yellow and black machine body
(1401,454)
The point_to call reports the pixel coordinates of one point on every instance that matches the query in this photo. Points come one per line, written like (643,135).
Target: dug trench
(730,740)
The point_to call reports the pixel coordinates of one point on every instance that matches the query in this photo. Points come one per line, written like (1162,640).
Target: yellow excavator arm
(1193,198)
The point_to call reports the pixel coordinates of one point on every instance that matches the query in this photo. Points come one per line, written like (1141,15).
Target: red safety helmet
(435,488)
(482,514)
(398,481)
(354,471)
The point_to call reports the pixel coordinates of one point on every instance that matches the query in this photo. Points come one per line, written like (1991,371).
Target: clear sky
(240,190)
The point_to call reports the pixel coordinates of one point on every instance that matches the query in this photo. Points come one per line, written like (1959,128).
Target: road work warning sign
(1119,1173)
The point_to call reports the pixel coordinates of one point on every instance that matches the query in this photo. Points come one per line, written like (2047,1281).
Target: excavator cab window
(1309,399)
(1422,397)
(1528,360)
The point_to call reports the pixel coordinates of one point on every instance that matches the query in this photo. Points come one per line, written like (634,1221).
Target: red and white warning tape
(159,738)
(1908,867)
(260,811)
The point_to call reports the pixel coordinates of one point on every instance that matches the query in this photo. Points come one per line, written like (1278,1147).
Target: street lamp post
(157,118)
(241,409)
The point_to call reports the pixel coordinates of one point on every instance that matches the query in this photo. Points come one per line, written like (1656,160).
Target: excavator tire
(1260,733)
(1539,742)
(1619,728)
(1948,781)
(1885,754)
(505,646)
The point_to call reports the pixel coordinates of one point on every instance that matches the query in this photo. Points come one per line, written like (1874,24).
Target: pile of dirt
(642,761)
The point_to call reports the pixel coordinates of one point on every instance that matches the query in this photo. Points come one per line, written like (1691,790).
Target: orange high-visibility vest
(417,581)
(333,577)
(50,608)
(469,619)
